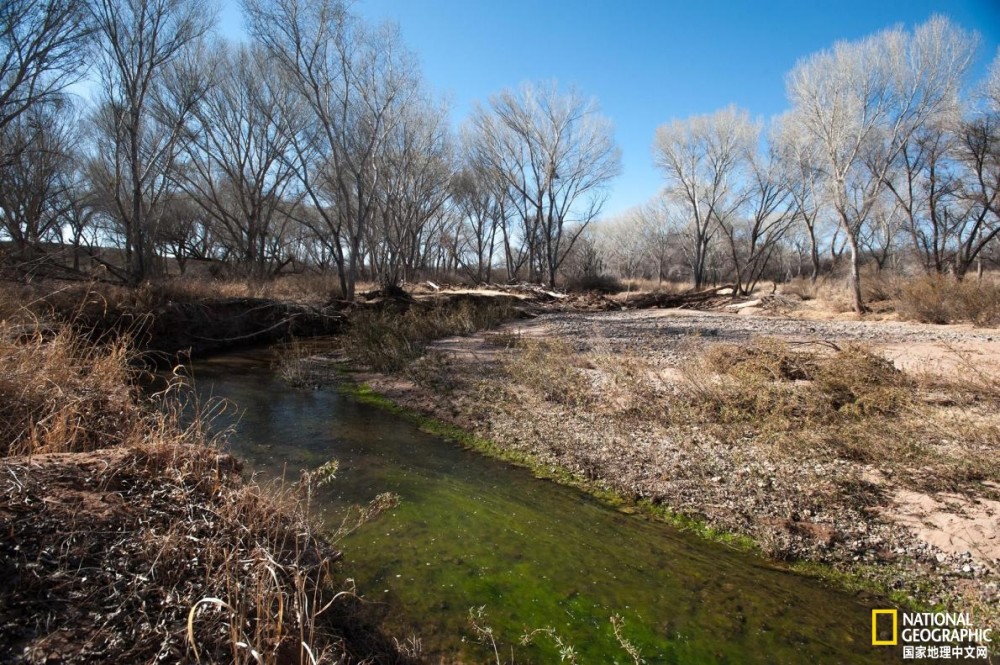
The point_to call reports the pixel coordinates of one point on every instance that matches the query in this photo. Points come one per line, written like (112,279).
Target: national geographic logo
(947,635)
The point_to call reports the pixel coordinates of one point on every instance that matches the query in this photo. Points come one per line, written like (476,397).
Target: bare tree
(754,233)
(880,238)
(860,102)
(978,223)
(659,234)
(556,154)
(991,86)
(805,183)
(43,47)
(703,160)
(481,198)
(152,80)
(924,183)
(622,244)
(353,81)
(238,160)
(480,211)
(183,229)
(417,163)
(34,188)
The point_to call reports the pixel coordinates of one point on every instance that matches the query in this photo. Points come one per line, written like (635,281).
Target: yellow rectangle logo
(892,641)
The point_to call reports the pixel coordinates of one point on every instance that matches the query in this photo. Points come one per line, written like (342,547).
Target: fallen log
(687,299)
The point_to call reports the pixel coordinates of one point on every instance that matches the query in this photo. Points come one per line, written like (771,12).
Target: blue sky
(647,62)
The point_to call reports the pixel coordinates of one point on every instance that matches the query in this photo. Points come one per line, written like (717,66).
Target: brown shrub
(386,340)
(601,283)
(799,401)
(943,299)
(549,368)
(802,287)
(764,359)
(834,384)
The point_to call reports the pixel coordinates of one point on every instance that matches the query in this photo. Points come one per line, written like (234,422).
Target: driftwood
(688,299)
(528,289)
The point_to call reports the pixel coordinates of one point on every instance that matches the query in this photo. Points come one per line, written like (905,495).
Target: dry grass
(939,299)
(827,292)
(130,538)
(811,401)
(164,554)
(654,286)
(943,299)
(62,395)
(553,369)
(301,364)
(386,340)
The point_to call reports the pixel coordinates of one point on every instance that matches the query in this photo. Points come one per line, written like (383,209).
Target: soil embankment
(201,327)
(128,537)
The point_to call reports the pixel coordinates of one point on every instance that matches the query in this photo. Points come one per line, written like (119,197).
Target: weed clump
(387,340)
(849,381)
(827,396)
(942,299)
(547,366)
(597,282)
(63,395)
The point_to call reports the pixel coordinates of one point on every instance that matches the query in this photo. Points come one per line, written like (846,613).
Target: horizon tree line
(316,145)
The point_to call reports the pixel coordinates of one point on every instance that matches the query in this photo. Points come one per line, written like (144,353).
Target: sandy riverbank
(918,513)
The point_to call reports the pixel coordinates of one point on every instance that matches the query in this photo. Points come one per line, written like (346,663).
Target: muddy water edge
(473,532)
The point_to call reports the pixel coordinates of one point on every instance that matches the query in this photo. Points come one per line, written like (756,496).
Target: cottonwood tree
(34,184)
(151,81)
(703,160)
(977,225)
(754,233)
(924,183)
(498,196)
(353,81)
(658,229)
(991,86)
(43,48)
(556,154)
(860,102)
(481,211)
(880,238)
(805,183)
(238,159)
(942,180)
(417,163)
(481,199)
(622,245)
(977,185)
(79,209)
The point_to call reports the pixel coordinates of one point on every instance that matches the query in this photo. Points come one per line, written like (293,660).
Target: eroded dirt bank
(128,537)
(916,511)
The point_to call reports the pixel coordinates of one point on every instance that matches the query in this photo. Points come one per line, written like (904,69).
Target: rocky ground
(924,526)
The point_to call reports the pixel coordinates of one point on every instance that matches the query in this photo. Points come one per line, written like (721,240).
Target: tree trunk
(855,279)
(813,256)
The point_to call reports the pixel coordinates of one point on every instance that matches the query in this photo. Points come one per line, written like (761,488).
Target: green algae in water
(472,532)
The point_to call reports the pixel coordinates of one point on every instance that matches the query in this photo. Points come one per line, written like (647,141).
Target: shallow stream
(471,532)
